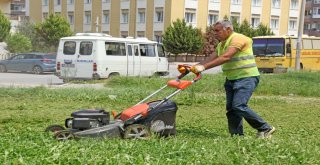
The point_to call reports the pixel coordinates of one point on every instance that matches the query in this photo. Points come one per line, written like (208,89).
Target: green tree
(18,43)
(4,27)
(246,29)
(27,29)
(182,38)
(52,29)
(263,30)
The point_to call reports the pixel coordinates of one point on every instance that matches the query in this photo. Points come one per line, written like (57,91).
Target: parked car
(36,63)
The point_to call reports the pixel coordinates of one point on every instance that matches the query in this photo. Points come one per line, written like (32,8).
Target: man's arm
(218,60)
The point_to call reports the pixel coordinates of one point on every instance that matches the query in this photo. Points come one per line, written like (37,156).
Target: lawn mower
(136,122)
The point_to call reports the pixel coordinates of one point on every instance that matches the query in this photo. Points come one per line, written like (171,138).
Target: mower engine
(87,119)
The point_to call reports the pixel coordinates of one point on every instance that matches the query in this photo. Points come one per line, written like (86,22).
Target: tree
(182,38)
(246,29)
(52,29)
(263,30)
(4,27)
(28,29)
(210,41)
(18,43)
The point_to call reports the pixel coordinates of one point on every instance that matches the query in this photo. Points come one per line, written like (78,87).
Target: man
(234,53)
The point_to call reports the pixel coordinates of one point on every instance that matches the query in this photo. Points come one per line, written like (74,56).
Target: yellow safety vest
(242,64)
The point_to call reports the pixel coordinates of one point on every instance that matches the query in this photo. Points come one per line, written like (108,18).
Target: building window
(307,26)
(58,2)
(213,17)
(71,18)
(276,4)
(159,14)
(106,17)
(124,34)
(316,2)
(158,36)
(316,11)
(292,24)
(308,12)
(215,1)
(190,16)
(140,34)
(124,16)
(236,2)
(255,21)
(256,3)
(70,2)
(105,1)
(45,2)
(294,4)
(87,18)
(87,1)
(274,24)
(235,17)
(141,16)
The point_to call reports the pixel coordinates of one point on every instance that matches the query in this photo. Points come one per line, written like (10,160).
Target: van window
(115,49)
(86,48)
(129,50)
(69,48)
(147,50)
(161,51)
(136,50)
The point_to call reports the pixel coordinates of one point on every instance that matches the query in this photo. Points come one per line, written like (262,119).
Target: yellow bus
(278,53)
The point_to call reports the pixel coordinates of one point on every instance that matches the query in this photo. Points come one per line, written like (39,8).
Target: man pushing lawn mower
(234,53)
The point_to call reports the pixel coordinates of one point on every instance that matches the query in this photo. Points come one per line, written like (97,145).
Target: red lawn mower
(136,122)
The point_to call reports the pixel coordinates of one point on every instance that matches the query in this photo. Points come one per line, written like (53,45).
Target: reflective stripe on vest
(244,61)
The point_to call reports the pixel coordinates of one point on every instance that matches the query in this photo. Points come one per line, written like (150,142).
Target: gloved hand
(183,68)
(198,68)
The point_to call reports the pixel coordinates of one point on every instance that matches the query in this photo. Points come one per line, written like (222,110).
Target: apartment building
(150,18)
(312,18)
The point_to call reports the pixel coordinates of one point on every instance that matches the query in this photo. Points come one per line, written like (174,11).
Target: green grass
(290,102)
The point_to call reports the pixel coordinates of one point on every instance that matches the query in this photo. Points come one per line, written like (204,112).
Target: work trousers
(238,93)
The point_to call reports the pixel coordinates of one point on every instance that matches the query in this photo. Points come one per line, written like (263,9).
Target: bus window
(161,51)
(316,44)
(307,44)
(115,49)
(268,47)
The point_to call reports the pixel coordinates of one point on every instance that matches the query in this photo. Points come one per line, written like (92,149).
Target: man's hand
(198,68)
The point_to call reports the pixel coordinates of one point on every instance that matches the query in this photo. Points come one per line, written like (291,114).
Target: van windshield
(268,46)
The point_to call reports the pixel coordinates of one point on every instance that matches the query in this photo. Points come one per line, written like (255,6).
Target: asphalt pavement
(52,81)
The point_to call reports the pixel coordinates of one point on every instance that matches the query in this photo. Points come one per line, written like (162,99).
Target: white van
(97,55)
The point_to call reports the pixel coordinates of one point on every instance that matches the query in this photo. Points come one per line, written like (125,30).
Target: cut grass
(201,124)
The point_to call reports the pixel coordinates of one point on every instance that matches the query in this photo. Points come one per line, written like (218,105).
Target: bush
(18,43)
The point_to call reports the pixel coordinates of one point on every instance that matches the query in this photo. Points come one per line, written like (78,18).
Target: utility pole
(300,31)
(97,24)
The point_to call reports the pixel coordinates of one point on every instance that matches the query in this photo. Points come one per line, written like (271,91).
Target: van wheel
(113,75)
(37,70)
(3,68)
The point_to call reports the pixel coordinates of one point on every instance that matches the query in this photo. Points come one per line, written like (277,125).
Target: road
(50,80)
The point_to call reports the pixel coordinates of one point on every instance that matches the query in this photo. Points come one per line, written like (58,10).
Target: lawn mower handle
(184,69)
